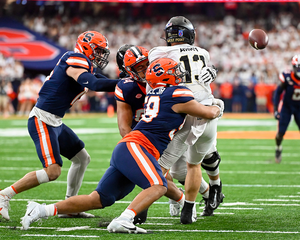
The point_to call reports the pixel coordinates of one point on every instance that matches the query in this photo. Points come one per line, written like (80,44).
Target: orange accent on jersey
(119,93)
(139,138)
(142,88)
(294,78)
(14,190)
(78,61)
(182,93)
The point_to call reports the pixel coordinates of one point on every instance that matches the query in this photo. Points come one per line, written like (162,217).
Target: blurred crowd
(246,78)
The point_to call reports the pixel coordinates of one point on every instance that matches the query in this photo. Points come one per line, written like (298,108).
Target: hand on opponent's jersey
(208,75)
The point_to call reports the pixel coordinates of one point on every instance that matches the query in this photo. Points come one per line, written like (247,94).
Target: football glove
(208,75)
(220,104)
(277,115)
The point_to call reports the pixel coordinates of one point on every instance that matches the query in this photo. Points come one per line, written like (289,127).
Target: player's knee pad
(42,176)
(212,163)
(82,158)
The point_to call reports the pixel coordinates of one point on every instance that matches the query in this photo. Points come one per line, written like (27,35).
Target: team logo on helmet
(169,24)
(180,33)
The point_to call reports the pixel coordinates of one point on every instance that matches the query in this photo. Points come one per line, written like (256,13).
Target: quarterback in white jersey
(195,143)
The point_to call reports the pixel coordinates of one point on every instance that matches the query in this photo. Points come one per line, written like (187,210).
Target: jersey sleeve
(281,77)
(182,95)
(119,92)
(78,60)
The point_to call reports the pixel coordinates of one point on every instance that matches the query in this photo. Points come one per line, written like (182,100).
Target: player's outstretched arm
(196,109)
(86,79)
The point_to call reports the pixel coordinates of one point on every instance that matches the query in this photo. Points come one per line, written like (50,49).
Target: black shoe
(207,211)
(215,196)
(188,213)
(278,156)
(141,217)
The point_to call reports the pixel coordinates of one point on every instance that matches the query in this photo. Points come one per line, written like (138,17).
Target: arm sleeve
(101,84)
(277,95)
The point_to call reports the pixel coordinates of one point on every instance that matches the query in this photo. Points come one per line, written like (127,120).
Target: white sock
(76,172)
(191,202)
(215,182)
(279,147)
(204,188)
(128,213)
(181,200)
(9,192)
(51,210)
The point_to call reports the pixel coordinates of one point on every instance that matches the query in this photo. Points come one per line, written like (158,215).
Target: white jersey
(193,59)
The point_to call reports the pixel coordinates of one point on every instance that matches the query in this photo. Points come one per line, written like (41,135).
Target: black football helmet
(120,56)
(179,29)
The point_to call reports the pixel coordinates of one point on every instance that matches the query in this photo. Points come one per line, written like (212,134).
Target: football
(258,39)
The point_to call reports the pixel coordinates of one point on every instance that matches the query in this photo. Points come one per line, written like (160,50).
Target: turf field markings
(178,184)
(291,196)
(259,154)
(237,208)
(276,200)
(104,169)
(224,205)
(60,236)
(67,229)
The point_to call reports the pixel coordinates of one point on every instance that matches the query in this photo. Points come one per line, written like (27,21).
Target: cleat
(141,217)
(188,216)
(278,156)
(34,212)
(124,225)
(207,211)
(4,206)
(215,196)
(76,215)
(174,206)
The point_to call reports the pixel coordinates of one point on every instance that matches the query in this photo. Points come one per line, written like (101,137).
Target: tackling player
(198,136)
(290,105)
(70,79)
(134,159)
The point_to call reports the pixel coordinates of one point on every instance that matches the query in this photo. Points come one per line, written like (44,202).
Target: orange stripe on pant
(49,147)
(140,164)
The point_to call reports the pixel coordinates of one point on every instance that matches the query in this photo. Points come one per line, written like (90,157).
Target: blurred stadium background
(246,80)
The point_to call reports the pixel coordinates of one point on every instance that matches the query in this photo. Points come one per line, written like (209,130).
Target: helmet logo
(180,33)
(158,70)
(88,37)
(169,24)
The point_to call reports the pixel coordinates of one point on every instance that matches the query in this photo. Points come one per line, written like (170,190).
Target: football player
(130,93)
(70,79)
(134,159)
(197,138)
(290,104)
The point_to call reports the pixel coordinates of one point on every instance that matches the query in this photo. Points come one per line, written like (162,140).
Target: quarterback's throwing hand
(208,75)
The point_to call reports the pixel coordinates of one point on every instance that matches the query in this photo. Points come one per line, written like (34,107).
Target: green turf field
(262,198)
